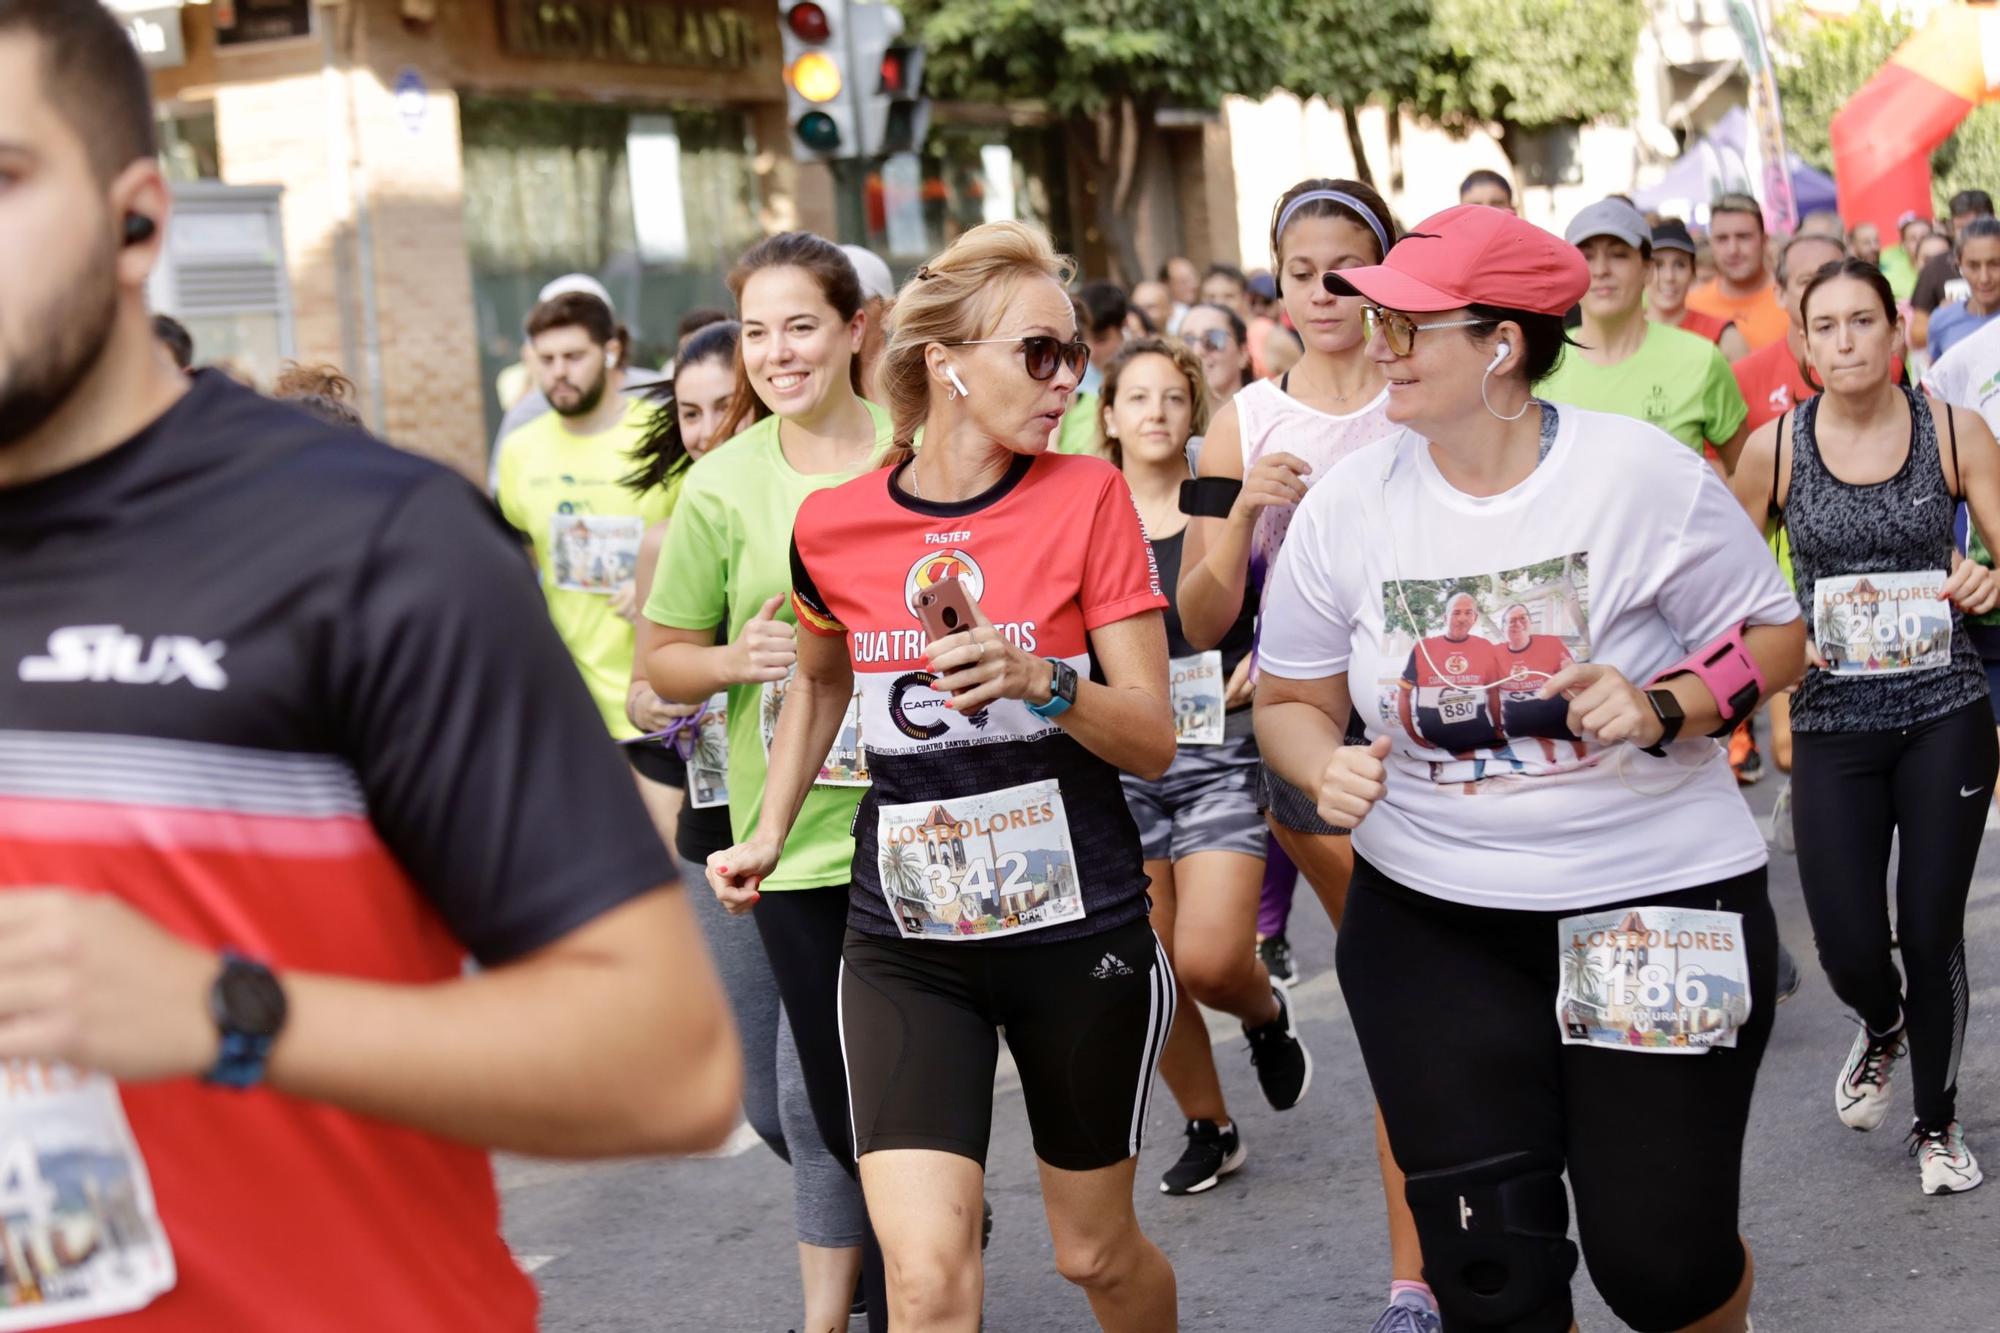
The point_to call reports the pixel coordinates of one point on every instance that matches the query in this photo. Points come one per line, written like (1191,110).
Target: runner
(1260,455)
(1183,281)
(1892,724)
(1938,279)
(997,877)
(1199,826)
(1769,378)
(1488,188)
(1101,309)
(1217,335)
(1977,249)
(1623,362)
(562,483)
(831,1220)
(1899,263)
(268,689)
(1512,880)
(1152,299)
(1667,284)
(1741,291)
(719,622)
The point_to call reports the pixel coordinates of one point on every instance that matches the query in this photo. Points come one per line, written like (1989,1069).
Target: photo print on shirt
(1475,650)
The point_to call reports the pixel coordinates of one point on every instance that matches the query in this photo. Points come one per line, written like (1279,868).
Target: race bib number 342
(972,867)
(1672,980)
(80,1237)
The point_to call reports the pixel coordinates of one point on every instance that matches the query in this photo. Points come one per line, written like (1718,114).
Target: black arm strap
(1209,497)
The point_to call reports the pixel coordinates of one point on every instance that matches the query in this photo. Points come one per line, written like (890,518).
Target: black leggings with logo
(1455,1009)
(1929,787)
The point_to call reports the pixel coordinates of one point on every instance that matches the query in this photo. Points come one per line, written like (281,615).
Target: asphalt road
(1844,1240)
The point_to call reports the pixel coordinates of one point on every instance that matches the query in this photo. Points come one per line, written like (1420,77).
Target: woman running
(997,605)
(1217,334)
(831,1219)
(1548,831)
(1261,455)
(720,623)
(1199,826)
(1892,737)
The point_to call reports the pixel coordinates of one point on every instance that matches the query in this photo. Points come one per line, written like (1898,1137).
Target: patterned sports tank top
(1897,655)
(1271,421)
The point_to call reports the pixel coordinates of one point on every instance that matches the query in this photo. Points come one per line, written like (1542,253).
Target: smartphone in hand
(945,609)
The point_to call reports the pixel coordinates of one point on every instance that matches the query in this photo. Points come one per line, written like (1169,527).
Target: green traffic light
(817,131)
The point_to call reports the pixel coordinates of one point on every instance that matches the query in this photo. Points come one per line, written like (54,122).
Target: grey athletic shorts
(1207,802)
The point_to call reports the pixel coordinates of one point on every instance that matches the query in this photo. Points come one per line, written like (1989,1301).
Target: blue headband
(1334,197)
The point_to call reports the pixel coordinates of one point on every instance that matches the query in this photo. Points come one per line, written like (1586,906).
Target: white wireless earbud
(951,373)
(611,360)
(1500,353)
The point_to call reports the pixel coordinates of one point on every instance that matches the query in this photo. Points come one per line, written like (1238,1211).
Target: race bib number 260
(1671,980)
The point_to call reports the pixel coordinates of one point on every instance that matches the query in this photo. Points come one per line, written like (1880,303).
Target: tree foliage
(1353,52)
(1531,63)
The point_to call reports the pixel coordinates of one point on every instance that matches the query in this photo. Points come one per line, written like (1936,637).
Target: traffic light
(816,81)
(895,115)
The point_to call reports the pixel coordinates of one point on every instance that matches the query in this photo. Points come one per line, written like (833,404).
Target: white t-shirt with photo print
(1622,547)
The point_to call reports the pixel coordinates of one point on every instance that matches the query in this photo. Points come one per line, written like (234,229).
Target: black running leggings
(1455,1010)
(1851,791)
(803,930)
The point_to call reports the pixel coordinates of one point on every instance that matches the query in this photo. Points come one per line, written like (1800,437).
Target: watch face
(250,1000)
(1063,684)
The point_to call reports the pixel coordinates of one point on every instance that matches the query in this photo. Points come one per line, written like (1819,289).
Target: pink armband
(1732,675)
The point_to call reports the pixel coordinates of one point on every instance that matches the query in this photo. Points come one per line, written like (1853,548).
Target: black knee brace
(1496,1242)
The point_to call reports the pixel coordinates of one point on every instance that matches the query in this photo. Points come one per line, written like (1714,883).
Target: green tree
(1107,67)
(1353,52)
(1828,63)
(1531,63)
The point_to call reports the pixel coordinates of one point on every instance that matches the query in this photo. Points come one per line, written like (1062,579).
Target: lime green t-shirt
(1677,380)
(563,490)
(728,551)
(1078,432)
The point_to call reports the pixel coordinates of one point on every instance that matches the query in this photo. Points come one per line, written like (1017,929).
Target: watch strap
(1059,698)
(1671,721)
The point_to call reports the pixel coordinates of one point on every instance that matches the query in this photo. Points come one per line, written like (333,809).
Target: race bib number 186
(1671,980)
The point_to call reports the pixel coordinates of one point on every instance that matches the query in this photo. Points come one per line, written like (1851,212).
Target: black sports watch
(1668,709)
(1062,690)
(249,1009)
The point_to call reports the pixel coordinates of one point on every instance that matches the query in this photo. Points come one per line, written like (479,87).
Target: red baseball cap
(1471,255)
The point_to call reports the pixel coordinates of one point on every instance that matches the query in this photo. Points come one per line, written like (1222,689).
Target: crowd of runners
(1448,568)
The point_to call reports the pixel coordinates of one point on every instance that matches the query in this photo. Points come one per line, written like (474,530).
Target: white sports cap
(577,282)
(877,283)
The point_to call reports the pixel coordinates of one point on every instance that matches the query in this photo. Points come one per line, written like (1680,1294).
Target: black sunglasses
(1042,354)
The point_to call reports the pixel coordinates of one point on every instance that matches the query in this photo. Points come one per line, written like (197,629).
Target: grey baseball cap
(877,283)
(1611,217)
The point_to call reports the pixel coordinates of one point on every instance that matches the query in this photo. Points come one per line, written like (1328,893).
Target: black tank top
(1899,525)
(1242,635)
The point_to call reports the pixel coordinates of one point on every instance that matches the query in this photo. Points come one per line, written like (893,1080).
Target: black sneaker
(1276,952)
(1284,1065)
(1211,1154)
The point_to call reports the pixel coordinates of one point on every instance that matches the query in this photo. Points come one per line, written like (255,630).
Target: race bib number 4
(1197,690)
(708,766)
(846,762)
(1656,979)
(593,552)
(1882,624)
(80,1237)
(973,867)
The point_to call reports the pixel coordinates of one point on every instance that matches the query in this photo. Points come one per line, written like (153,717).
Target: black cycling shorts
(1455,1010)
(658,763)
(1086,1021)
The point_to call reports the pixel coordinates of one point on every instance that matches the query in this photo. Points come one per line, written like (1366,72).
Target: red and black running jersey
(1457,708)
(1052,551)
(1524,672)
(292,692)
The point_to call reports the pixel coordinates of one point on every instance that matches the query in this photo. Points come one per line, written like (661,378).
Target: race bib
(1197,692)
(846,762)
(1882,624)
(974,867)
(593,552)
(1670,980)
(80,1237)
(708,766)
(1461,706)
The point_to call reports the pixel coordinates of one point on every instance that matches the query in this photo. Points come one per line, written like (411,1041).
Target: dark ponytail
(661,451)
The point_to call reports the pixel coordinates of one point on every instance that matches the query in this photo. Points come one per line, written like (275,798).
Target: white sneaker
(1861,1097)
(1948,1166)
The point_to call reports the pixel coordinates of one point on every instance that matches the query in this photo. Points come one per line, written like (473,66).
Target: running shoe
(1276,951)
(1284,1065)
(1948,1166)
(1211,1154)
(1781,834)
(1408,1314)
(1750,771)
(1788,973)
(1861,1097)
